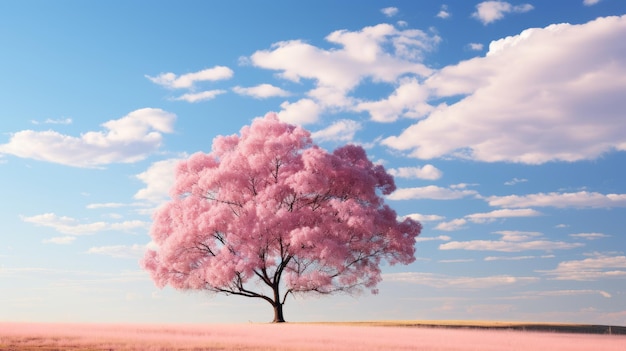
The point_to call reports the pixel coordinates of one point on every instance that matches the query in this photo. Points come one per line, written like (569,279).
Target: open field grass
(349,336)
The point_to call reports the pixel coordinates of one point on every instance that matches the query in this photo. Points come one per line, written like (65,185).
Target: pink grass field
(290,336)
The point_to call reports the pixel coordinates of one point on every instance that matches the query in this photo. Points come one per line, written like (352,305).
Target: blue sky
(502,123)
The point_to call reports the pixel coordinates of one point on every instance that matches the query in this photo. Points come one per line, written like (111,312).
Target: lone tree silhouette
(268,213)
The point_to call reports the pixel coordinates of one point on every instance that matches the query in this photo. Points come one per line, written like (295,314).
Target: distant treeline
(564,328)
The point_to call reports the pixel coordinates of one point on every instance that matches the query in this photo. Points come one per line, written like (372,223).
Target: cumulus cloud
(381,53)
(72,226)
(581,199)
(342,130)
(455,224)
(428,172)
(408,100)
(520,106)
(491,11)
(303,111)
(445,281)
(592,268)
(389,11)
(158,178)
(511,241)
(443,12)
(262,91)
(187,81)
(432,192)
(128,139)
(590,2)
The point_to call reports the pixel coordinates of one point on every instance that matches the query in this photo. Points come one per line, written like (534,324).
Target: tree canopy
(267,213)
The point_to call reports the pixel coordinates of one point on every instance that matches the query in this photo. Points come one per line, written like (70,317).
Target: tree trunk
(278,306)
(278,313)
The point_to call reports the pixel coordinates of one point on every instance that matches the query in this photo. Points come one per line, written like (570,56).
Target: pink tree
(268,213)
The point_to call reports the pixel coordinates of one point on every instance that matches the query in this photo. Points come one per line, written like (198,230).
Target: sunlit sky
(502,122)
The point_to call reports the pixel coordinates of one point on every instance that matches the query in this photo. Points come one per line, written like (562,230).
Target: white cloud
(515,181)
(201,96)
(424,218)
(511,241)
(432,238)
(475,46)
(381,53)
(172,81)
(444,281)
(506,213)
(491,11)
(571,293)
(517,235)
(590,236)
(389,11)
(553,112)
(443,13)
(582,199)
(508,258)
(428,172)
(430,192)
(342,130)
(588,269)
(303,111)
(72,226)
(506,246)
(54,121)
(455,224)
(159,178)
(590,2)
(119,251)
(128,139)
(408,100)
(262,91)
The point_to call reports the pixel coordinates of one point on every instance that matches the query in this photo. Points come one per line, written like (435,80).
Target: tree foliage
(268,213)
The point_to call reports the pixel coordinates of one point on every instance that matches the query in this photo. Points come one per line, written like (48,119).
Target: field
(370,336)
